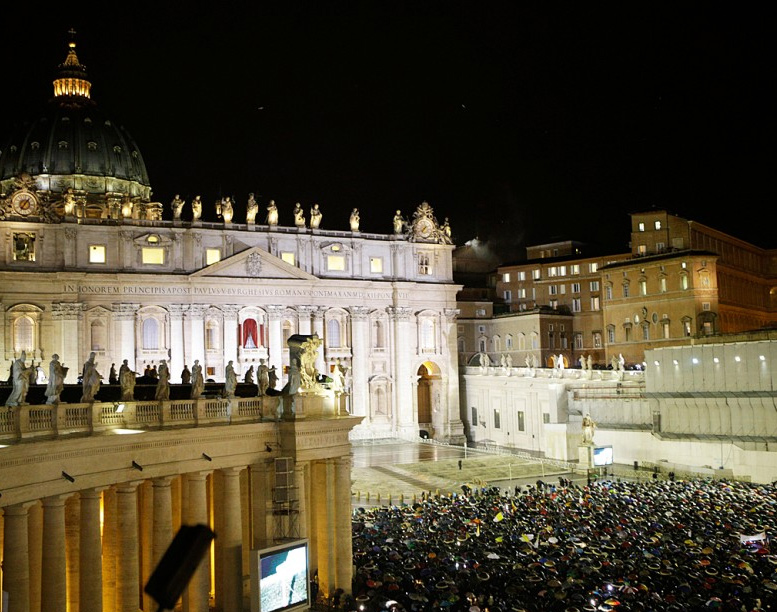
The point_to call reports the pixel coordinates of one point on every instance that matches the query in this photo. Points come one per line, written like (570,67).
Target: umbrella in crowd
(684,545)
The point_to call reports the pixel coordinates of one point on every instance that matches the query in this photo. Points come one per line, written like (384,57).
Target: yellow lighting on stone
(122,431)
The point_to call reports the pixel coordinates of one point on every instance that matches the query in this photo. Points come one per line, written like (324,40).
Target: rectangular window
(521,421)
(562,289)
(424,265)
(593,267)
(642,249)
(508,295)
(562,270)
(335,263)
(576,305)
(643,287)
(23,246)
(574,269)
(474,415)
(289,258)
(597,337)
(497,419)
(553,289)
(594,286)
(608,292)
(96,253)
(546,417)
(662,284)
(553,304)
(536,274)
(376,265)
(506,277)
(660,247)
(578,342)
(665,325)
(627,333)
(522,276)
(575,287)
(687,327)
(705,305)
(625,290)
(522,293)
(641,227)
(552,271)
(646,332)
(611,335)
(153,255)
(212,256)
(594,302)
(684,282)
(657,225)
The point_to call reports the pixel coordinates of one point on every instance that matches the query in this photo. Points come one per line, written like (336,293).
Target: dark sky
(522,122)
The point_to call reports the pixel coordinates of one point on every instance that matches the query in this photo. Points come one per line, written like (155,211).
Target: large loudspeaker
(178,564)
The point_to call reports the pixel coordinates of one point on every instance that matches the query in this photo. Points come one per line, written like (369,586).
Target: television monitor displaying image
(603,455)
(280,579)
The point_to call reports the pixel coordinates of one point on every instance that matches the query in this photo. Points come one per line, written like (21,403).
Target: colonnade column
(342,527)
(128,570)
(68,315)
(230,333)
(195,334)
(90,574)
(177,312)
(163,518)
(360,334)
(302,507)
(231,538)
(53,596)
(323,500)
(454,427)
(274,316)
(199,585)
(403,400)
(16,557)
(124,333)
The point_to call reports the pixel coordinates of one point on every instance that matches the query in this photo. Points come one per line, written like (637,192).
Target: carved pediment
(253,263)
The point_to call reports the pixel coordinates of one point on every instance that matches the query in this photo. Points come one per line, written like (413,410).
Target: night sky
(522,124)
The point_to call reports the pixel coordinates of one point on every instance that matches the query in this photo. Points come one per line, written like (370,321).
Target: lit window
(424,267)
(96,253)
(593,267)
(576,305)
(506,277)
(24,247)
(522,276)
(643,287)
(594,286)
(152,239)
(575,287)
(574,269)
(153,255)
(376,265)
(335,263)
(536,274)
(289,258)
(657,225)
(662,284)
(641,227)
(562,270)
(552,271)
(597,337)
(595,302)
(212,256)
(684,282)
(522,293)
(642,249)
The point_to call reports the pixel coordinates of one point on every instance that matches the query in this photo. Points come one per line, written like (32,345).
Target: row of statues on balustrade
(22,376)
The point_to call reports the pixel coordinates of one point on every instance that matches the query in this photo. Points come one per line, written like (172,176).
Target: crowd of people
(666,545)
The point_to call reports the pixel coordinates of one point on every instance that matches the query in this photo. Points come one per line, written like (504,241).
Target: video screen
(603,455)
(283,577)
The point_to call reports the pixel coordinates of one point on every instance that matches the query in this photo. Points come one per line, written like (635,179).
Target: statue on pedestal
(588,430)
(399,223)
(127,382)
(162,393)
(272,378)
(251,209)
(91,380)
(272,213)
(315,217)
(299,216)
(57,373)
(198,382)
(196,208)
(263,377)
(177,206)
(249,376)
(186,375)
(230,380)
(224,209)
(354,220)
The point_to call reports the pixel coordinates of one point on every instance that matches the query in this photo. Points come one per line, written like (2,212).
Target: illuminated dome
(73,148)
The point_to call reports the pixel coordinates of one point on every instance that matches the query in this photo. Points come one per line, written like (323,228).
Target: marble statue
(503,360)
(445,230)
(91,380)
(399,223)
(338,377)
(224,209)
(589,363)
(560,362)
(230,380)
(588,430)
(40,375)
(272,214)
(354,220)
(251,209)
(198,382)
(196,208)
(581,362)
(527,360)
(127,382)
(299,216)
(57,373)
(249,376)
(21,381)
(272,378)
(70,203)
(186,375)
(509,360)
(177,207)
(621,362)
(315,216)
(113,378)
(614,363)
(126,207)
(162,393)
(308,371)
(263,377)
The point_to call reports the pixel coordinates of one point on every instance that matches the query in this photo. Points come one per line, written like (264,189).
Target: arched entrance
(427,397)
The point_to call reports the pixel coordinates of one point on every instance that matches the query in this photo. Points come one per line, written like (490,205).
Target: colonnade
(93,550)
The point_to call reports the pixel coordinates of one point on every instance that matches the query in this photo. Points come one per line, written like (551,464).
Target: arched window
(23,334)
(460,343)
(150,334)
(496,342)
(521,342)
(509,342)
(99,335)
(211,335)
(482,345)
(378,335)
(251,337)
(333,333)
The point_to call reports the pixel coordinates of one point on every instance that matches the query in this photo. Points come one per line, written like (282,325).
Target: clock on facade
(24,202)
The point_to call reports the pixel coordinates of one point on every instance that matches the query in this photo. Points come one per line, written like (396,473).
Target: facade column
(145,536)
(324,503)
(53,597)
(198,591)
(67,316)
(127,562)
(406,425)
(90,579)
(360,334)
(453,427)
(342,527)
(300,482)
(195,335)
(110,548)
(177,352)
(230,333)
(274,317)
(124,333)
(72,551)
(261,502)
(16,557)
(318,329)
(231,570)
(303,319)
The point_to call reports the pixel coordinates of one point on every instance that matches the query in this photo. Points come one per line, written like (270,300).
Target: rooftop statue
(196,208)
(315,216)
(224,209)
(272,213)
(354,220)
(299,216)
(177,206)
(251,209)
(399,223)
